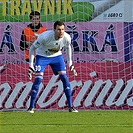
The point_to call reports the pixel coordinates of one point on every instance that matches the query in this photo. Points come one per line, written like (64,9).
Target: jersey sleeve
(68,40)
(68,49)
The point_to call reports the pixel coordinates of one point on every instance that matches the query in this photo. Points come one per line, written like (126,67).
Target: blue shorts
(57,63)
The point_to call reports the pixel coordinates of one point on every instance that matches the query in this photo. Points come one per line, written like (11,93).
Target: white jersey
(46,45)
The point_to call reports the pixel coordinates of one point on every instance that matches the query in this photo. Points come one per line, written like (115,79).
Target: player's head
(35,18)
(59,29)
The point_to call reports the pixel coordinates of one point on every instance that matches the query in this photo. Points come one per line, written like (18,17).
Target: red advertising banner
(97,86)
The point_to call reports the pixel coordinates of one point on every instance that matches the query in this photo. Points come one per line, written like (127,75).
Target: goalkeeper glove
(73,70)
(30,72)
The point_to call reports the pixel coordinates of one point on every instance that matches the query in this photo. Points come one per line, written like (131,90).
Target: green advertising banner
(51,10)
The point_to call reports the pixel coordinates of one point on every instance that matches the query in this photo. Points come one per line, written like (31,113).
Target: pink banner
(91,41)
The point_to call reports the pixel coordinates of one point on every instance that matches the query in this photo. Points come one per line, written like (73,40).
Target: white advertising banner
(112,11)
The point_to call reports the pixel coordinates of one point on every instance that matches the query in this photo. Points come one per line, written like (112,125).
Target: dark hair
(34,13)
(58,23)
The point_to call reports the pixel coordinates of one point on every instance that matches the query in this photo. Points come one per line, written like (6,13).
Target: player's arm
(69,55)
(69,59)
(31,62)
(31,56)
(36,44)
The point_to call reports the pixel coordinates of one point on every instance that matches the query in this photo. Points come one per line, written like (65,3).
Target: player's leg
(34,89)
(67,88)
(58,67)
(40,65)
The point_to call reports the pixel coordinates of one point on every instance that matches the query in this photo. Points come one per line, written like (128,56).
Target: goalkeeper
(48,48)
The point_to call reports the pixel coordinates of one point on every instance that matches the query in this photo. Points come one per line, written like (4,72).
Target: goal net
(102,44)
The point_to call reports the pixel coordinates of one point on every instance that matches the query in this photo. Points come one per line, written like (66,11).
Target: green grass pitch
(64,122)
